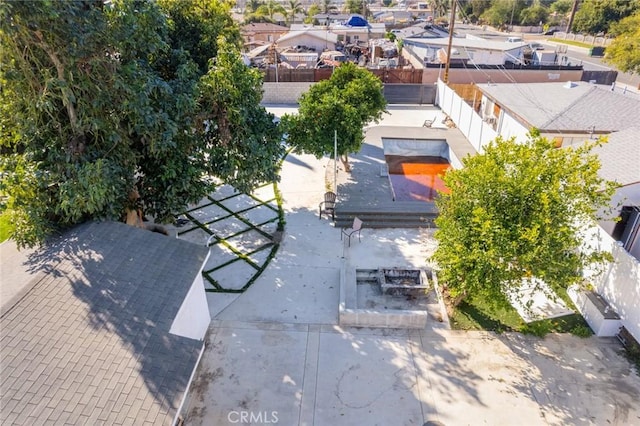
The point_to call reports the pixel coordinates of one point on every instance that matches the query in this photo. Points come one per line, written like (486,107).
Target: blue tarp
(357,21)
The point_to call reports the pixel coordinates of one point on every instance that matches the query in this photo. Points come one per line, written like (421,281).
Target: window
(269,37)
(627,230)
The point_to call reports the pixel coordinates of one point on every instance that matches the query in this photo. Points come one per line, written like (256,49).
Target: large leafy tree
(195,25)
(595,16)
(347,101)
(624,51)
(93,113)
(517,211)
(242,141)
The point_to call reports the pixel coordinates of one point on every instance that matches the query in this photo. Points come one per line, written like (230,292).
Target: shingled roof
(86,338)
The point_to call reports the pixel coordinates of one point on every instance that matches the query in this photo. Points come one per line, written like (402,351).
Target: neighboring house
(105,325)
(315,38)
(479,52)
(357,30)
(261,33)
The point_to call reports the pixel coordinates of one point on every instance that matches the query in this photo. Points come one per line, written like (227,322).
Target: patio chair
(355,228)
(328,206)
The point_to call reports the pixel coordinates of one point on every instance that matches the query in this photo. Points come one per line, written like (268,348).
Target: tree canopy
(347,101)
(514,212)
(624,50)
(597,16)
(96,105)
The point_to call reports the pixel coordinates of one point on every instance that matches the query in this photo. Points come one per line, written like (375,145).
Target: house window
(356,38)
(627,230)
(269,37)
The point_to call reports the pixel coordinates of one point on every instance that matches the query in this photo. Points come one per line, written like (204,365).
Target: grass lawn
(477,314)
(5,226)
(572,42)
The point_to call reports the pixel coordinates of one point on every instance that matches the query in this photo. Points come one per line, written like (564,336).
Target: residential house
(103,325)
(479,52)
(570,114)
(314,38)
(567,113)
(261,33)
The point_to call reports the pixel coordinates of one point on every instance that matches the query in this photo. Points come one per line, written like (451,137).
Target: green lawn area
(478,314)
(5,226)
(572,42)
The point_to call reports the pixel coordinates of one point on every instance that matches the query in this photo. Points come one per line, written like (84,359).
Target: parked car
(514,40)
(536,46)
(549,32)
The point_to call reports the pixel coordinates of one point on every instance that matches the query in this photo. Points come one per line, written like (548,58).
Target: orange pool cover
(418,181)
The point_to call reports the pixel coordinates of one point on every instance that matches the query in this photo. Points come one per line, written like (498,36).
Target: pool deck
(366,186)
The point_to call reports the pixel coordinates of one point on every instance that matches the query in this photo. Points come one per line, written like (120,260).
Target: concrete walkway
(276,354)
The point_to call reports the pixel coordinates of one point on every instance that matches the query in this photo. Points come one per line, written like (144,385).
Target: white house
(317,38)
(570,114)
(479,52)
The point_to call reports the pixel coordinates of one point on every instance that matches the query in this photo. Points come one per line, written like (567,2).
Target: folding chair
(355,228)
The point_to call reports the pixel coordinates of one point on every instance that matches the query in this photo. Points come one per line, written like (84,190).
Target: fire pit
(403,282)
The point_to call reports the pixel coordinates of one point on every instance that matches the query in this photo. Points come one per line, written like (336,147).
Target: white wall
(193,317)
(619,282)
(477,132)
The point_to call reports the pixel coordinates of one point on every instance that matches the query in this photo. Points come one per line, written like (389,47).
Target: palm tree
(328,7)
(270,8)
(439,8)
(251,6)
(294,7)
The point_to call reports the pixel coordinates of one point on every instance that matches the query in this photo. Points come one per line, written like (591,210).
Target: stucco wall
(284,93)
(193,317)
(619,282)
(472,75)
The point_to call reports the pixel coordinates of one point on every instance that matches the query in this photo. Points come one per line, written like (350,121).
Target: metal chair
(355,228)
(328,206)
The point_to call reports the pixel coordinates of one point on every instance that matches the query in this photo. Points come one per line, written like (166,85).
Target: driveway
(275,354)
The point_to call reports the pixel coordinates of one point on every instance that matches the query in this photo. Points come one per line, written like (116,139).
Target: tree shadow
(115,291)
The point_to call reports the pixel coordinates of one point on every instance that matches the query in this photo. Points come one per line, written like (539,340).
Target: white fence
(477,132)
(587,39)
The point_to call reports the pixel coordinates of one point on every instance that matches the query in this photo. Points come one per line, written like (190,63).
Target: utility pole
(574,9)
(453,18)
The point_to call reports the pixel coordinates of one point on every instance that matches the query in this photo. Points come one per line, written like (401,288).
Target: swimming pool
(416,178)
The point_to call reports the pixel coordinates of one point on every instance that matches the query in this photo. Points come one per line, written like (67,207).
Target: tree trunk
(345,163)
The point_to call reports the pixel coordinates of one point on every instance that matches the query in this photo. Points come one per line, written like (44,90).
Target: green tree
(439,8)
(534,15)
(270,9)
(624,51)
(517,211)
(561,7)
(503,12)
(596,16)
(327,6)
(353,6)
(294,7)
(313,10)
(195,25)
(88,120)
(347,101)
(242,141)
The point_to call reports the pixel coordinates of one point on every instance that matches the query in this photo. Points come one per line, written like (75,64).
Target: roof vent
(569,85)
